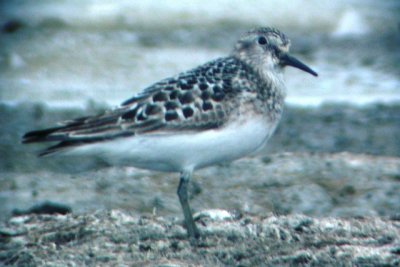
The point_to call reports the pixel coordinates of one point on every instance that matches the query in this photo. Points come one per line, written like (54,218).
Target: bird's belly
(186,151)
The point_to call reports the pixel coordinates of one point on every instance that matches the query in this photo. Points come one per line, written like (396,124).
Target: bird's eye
(262,40)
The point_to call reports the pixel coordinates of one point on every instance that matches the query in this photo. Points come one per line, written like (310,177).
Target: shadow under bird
(217,112)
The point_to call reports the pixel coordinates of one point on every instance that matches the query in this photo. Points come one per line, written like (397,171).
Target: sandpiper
(220,111)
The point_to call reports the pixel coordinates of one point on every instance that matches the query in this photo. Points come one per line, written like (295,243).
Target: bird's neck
(272,92)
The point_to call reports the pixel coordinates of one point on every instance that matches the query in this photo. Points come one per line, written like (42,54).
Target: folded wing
(191,101)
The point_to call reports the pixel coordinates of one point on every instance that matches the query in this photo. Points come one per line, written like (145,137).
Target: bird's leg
(192,230)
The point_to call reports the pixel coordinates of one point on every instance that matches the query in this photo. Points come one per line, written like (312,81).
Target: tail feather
(61,146)
(89,130)
(41,135)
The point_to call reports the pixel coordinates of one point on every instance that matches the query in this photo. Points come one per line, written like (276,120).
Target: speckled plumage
(219,111)
(200,99)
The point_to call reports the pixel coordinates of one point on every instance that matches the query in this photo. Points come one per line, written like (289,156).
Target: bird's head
(267,49)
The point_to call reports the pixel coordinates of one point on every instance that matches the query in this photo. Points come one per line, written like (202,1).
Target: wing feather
(200,99)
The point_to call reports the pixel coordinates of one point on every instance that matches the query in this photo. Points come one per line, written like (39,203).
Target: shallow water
(67,53)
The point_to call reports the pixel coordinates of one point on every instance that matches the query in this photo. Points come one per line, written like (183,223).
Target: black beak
(287,60)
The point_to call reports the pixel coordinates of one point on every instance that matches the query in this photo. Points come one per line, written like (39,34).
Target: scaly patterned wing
(195,100)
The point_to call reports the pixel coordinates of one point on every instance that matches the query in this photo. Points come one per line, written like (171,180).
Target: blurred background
(62,59)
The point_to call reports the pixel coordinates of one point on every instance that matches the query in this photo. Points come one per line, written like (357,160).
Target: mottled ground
(116,238)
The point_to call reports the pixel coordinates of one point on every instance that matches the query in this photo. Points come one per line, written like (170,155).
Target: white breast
(185,151)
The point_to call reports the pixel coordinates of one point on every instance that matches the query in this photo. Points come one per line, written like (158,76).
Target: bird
(217,112)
